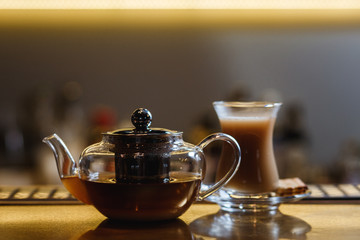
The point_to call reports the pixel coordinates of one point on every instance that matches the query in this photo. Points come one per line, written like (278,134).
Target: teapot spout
(67,168)
(66,165)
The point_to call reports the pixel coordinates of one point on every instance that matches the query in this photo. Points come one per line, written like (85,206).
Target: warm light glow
(179,4)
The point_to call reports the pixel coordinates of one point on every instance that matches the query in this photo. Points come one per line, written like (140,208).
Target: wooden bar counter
(202,221)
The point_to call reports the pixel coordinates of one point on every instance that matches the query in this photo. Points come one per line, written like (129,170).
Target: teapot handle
(235,166)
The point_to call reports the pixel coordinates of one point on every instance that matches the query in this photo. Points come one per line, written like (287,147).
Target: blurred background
(81,72)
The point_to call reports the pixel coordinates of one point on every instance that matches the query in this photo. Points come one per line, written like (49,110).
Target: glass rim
(257,104)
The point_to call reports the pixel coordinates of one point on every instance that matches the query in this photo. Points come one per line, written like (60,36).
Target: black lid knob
(141,119)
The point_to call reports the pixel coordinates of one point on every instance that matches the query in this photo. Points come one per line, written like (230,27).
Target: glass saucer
(233,201)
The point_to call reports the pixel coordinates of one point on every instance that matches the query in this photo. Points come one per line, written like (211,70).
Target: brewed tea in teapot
(140,173)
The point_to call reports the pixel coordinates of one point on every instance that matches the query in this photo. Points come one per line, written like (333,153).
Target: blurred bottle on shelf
(64,115)
(43,110)
(207,123)
(102,119)
(346,168)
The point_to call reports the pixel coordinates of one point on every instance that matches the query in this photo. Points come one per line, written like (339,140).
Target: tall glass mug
(252,125)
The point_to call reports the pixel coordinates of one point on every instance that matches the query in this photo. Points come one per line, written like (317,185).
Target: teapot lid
(142,155)
(141,118)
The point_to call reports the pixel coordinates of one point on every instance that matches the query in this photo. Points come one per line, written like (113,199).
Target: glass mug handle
(234,167)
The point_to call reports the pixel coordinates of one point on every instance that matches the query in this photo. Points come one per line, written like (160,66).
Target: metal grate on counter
(44,194)
(334,192)
(57,194)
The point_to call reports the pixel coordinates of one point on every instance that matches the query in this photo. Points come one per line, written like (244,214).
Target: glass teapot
(140,174)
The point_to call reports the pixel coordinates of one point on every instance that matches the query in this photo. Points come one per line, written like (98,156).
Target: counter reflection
(110,229)
(262,225)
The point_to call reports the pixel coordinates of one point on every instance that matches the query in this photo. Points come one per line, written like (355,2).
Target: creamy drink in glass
(251,124)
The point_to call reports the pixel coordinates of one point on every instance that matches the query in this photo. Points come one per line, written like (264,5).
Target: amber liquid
(145,201)
(258,171)
(76,188)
